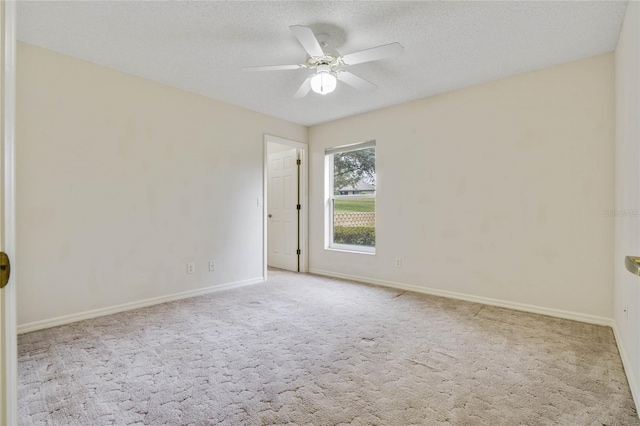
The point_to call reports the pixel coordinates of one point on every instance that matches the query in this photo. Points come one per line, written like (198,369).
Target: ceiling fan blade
(307,40)
(304,89)
(356,82)
(274,68)
(373,54)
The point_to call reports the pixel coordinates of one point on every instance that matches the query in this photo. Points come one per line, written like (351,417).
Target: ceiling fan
(329,67)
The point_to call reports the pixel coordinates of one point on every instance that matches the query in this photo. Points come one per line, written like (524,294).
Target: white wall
(122,181)
(494,191)
(627,184)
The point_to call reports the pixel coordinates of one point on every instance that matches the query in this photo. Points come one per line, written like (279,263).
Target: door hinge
(298,206)
(298,251)
(298,162)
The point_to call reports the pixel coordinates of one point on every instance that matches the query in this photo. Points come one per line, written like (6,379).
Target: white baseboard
(633,384)
(66,319)
(575,316)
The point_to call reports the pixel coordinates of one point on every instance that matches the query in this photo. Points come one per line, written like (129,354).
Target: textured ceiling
(201,46)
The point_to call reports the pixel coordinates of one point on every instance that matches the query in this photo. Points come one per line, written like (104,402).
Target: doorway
(285,206)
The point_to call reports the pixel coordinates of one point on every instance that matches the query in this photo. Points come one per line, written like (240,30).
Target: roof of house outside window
(360,186)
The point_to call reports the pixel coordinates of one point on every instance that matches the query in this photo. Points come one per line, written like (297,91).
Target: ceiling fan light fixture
(324,81)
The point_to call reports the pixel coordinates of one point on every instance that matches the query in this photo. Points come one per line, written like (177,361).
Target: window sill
(354,251)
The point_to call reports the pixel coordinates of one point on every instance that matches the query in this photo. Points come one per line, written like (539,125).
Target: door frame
(9,343)
(304,200)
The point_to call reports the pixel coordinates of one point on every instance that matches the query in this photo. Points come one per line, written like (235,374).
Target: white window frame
(330,197)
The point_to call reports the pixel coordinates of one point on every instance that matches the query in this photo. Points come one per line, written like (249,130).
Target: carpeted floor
(303,349)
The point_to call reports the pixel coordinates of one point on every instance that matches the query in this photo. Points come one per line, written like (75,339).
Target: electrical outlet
(398,262)
(212,265)
(191,267)
(259,202)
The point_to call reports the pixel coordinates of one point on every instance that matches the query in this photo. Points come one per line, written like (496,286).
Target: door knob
(5,269)
(269,215)
(632,264)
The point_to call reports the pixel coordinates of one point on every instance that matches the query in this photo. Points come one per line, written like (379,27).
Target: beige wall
(494,191)
(627,226)
(122,181)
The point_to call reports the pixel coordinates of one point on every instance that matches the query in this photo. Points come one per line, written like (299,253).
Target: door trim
(304,200)
(9,392)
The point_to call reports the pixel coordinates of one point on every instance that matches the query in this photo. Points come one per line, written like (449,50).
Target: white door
(627,243)
(282,213)
(626,215)
(8,339)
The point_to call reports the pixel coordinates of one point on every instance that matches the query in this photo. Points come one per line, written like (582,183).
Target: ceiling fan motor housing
(328,60)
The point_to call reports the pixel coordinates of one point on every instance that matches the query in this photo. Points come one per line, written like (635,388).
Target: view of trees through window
(354,202)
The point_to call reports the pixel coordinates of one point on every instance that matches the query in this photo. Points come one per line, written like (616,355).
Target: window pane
(354,221)
(354,171)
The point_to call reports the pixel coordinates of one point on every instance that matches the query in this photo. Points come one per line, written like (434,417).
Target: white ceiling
(201,46)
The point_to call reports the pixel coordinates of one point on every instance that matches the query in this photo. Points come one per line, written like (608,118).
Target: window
(351,197)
